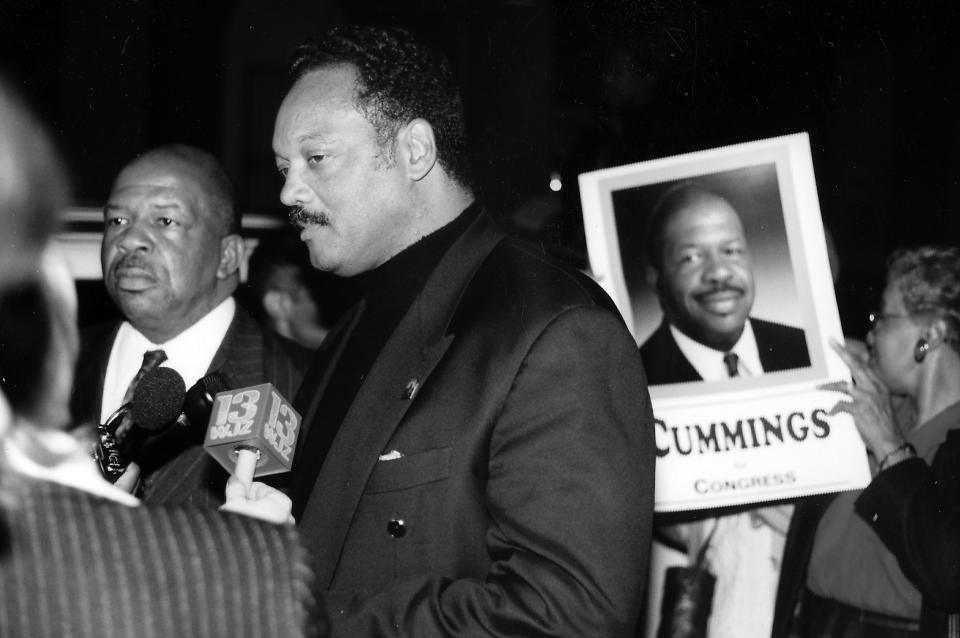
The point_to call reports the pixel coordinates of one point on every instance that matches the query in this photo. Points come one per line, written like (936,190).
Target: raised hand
(868,404)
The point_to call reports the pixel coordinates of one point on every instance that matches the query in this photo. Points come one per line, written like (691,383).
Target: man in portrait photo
(699,264)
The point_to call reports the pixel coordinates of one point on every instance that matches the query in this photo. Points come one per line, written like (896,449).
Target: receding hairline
(366,107)
(304,87)
(692,199)
(200,168)
(671,204)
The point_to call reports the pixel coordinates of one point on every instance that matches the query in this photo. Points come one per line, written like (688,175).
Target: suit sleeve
(916,513)
(570,497)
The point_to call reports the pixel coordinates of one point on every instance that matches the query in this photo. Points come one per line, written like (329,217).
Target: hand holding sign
(869,404)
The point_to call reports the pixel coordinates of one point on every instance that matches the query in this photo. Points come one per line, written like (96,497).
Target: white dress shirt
(709,362)
(189,353)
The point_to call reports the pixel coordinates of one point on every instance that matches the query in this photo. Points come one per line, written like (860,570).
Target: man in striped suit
(80,557)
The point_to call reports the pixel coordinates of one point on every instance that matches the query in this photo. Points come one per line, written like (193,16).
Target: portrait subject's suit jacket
(76,565)
(494,474)
(248,355)
(780,348)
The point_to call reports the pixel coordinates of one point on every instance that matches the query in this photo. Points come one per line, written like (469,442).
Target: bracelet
(903,447)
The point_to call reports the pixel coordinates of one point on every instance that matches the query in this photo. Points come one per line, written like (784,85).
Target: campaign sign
(772,446)
(718,262)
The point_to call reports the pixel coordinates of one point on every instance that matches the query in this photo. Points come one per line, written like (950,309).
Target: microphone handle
(115,419)
(106,451)
(247,457)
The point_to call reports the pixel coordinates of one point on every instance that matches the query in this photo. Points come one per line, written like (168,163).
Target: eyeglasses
(877,317)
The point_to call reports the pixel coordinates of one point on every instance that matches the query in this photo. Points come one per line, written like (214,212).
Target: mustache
(132,260)
(300,217)
(723,287)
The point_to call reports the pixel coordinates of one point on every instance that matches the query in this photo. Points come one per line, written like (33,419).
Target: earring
(920,350)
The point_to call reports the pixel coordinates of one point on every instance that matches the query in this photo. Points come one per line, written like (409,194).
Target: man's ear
(276,304)
(419,148)
(231,254)
(652,276)
(935,332)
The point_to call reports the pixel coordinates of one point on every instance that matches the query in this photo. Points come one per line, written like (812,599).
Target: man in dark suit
(79,556)
(477,456)
(699,264)
(171,257)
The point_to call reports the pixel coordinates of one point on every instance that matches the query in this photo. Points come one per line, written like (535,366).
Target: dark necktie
(151,359)
(732,361)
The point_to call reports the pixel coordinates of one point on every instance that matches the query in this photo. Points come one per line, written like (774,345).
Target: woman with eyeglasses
(885,561)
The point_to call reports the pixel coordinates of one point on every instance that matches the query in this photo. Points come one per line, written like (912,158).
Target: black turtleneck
(388,292)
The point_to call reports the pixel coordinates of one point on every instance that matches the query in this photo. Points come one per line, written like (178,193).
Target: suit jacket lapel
(407,359)
(240,353)
(317,378)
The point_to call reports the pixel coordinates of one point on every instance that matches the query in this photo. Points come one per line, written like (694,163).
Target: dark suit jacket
(522,503)
(780,348)
(78,566)
(248,355)
(915,510)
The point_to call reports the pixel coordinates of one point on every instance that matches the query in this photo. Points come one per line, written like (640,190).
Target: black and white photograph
(719,264)
(429,318)
(712,253)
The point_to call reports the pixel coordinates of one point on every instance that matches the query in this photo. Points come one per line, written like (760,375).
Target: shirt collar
(708,362)
(189,353)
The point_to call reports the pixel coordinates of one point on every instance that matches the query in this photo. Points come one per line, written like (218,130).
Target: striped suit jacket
(75,565)
(183,472)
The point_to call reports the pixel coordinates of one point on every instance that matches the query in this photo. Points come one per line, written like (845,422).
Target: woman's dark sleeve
(915,510)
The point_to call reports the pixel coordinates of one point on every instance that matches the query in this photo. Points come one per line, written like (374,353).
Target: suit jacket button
(397,528)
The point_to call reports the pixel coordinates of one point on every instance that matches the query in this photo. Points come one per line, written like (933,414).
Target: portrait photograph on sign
(717,260)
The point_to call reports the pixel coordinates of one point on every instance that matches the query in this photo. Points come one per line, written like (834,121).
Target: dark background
(550,88)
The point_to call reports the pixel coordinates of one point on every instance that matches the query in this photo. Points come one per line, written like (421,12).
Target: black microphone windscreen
(199,400)
(216,382)
(157,399)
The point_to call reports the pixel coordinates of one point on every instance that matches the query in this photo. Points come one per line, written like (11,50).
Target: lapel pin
(410,390)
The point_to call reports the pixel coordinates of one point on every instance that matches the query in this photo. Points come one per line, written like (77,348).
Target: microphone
(190,425)
(156,403)
(252,432)
(199,400)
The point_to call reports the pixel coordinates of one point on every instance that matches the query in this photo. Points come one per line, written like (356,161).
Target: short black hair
(675,198)
(398,79)
(217,187)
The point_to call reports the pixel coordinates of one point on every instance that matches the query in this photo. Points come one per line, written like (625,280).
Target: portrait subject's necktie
(732,361)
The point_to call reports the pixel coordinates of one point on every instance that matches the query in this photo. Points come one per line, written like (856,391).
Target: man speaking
(478,454)
(700,266)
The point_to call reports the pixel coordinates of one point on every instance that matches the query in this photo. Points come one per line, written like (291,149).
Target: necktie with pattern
(732,361)
(151,359)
